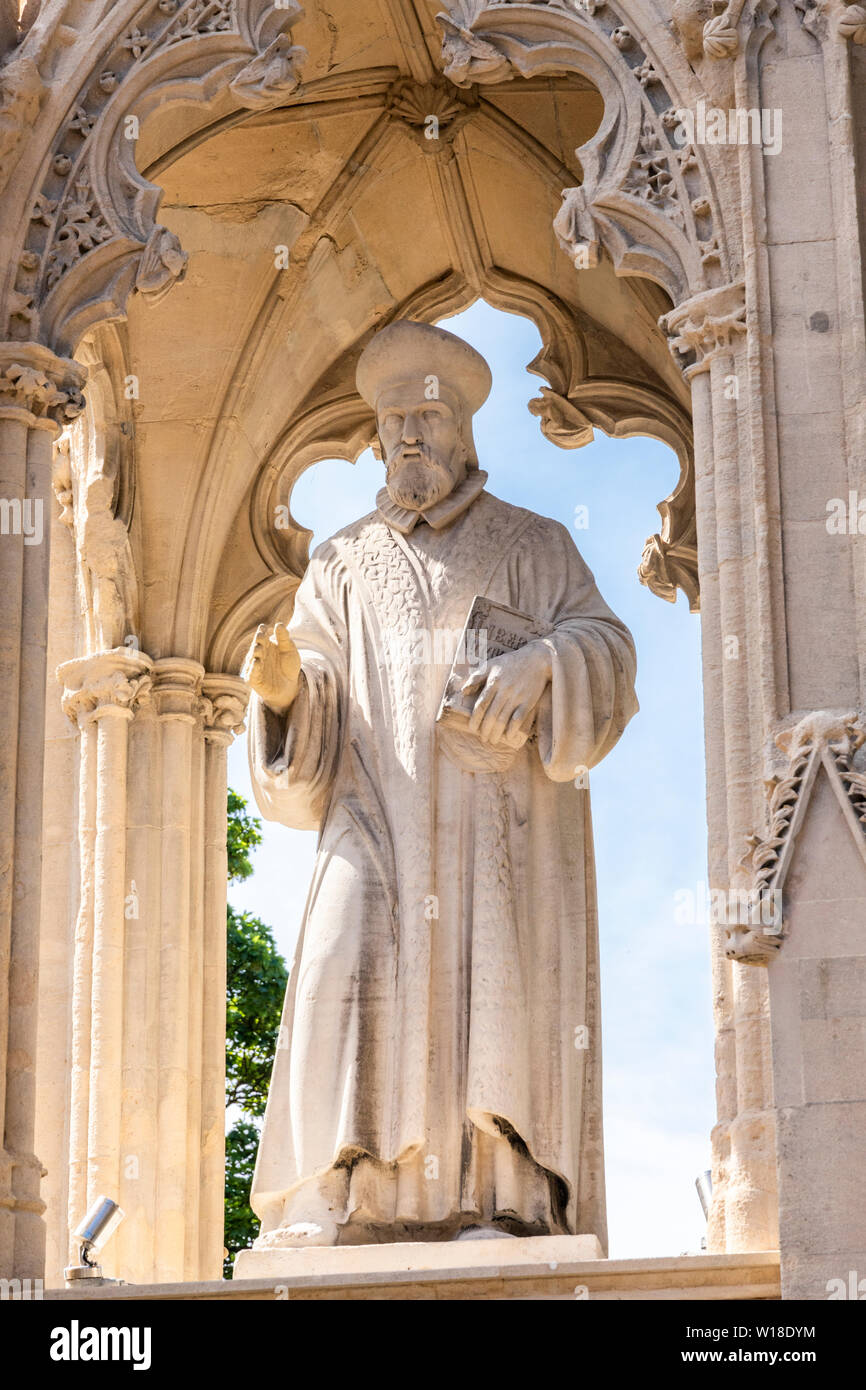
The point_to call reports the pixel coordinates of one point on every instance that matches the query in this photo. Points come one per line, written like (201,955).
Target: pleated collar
(441,514)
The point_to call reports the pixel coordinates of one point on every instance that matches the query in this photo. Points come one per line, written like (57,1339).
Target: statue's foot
(298,1236)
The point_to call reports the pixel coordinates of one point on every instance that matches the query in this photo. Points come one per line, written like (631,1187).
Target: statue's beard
(418,483)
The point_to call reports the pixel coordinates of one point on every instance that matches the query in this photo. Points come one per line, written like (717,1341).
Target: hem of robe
(362,1199)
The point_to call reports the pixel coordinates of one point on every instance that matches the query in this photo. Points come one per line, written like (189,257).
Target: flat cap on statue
(409,353)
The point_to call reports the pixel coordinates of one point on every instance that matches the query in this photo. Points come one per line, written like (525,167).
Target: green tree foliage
(241,1226)
(244,833)
(255,986)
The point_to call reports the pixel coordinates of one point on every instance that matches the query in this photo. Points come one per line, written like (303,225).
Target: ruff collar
(441,514)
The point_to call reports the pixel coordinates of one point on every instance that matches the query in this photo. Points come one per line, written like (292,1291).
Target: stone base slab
(476,1274)
(460,1259)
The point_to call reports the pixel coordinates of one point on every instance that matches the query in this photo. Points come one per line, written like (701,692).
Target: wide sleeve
(293,758)
(591,695)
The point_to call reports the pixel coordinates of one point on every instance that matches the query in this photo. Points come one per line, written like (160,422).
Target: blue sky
(648,796)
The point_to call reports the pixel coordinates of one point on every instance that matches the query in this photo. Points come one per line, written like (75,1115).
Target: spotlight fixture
(101,1221)
(704,1184)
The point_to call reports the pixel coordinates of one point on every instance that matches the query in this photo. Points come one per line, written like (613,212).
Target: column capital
(704,326)
(177,687)
(39,387)
(112,682)
(224,705)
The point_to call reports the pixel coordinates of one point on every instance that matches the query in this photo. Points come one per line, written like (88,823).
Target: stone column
(176,695)
(709,336)
(225,703)
(60,873)
(38,393)
(148,1107)
(101,694)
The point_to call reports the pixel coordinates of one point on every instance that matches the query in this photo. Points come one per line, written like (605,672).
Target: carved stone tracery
(644,199)
(824,739)
(95,216)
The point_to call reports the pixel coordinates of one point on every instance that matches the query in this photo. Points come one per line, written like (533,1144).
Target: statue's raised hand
(510,688)
(273,667)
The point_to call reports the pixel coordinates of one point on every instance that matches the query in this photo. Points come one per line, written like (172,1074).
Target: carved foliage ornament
(223,707)
(111,682)
(32,379)
(431,113)
(720,39)
(824,739)
(705,326)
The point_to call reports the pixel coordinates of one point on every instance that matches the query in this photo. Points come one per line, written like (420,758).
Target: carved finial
(270,77)
(163,263)
(466,57)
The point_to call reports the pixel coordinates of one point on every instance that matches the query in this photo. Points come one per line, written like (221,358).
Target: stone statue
(438,1070)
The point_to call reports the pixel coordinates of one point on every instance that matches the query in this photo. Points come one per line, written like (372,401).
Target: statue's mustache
(417,453)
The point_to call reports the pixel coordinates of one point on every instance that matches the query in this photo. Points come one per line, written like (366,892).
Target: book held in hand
(491,630)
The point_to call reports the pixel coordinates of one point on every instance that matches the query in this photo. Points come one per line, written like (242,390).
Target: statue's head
(425,385)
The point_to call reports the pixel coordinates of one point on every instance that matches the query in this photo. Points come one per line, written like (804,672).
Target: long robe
(443,1004)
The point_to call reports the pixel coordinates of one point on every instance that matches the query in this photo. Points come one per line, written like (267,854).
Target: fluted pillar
(148,1027)
(39,392)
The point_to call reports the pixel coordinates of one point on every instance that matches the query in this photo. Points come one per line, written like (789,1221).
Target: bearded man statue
(438,1073)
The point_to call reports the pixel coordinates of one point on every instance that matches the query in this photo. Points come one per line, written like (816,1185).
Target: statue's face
(422,447)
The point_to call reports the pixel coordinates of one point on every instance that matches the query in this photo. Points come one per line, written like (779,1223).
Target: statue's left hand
(510,688)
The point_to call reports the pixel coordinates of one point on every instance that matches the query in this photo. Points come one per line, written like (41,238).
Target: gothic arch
(642,318)
(94,237)
(647,205)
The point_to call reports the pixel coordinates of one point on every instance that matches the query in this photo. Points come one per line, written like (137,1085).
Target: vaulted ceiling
(307,227)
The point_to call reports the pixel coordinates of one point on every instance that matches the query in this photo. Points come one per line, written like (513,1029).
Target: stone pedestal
(484,1258)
